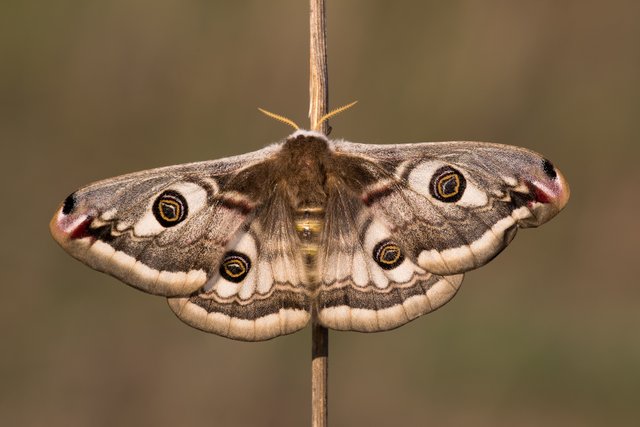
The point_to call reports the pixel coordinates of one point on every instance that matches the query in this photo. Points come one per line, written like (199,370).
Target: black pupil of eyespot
(234,267)
(449,185)
(390,254)
(69,204)
(169,210)
(548,168)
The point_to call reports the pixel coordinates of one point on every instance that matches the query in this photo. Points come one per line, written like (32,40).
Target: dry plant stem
(319,374)
(318,107)
(318,75)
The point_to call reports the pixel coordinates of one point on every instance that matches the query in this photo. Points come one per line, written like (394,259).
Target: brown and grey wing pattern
(365,237)
(367,283)
(164,230)
(423,214)
(173,231)
(456,205)
(259,291)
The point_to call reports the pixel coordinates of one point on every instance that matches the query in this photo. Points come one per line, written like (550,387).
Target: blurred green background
(546,334)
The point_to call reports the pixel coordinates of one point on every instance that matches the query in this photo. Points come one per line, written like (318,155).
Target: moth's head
(547,190)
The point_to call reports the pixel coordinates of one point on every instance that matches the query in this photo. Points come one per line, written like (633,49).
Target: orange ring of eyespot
(385,249)
(177,209)
(237,262)
(443,180)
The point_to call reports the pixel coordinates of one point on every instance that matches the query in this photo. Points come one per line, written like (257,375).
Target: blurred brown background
(547,334)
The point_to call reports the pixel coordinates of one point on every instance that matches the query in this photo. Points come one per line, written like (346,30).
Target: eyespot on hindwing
(388,254)
(235,266)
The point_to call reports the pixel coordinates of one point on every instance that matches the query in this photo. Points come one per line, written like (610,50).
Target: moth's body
(363,237)
(301,172)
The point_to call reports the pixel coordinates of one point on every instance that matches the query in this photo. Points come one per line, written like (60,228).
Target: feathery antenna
(334,112)
(280,118)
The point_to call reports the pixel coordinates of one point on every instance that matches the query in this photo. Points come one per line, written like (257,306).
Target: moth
(361,237)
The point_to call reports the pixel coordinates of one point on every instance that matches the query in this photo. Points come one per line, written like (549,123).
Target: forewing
(454,205)
(163,231)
